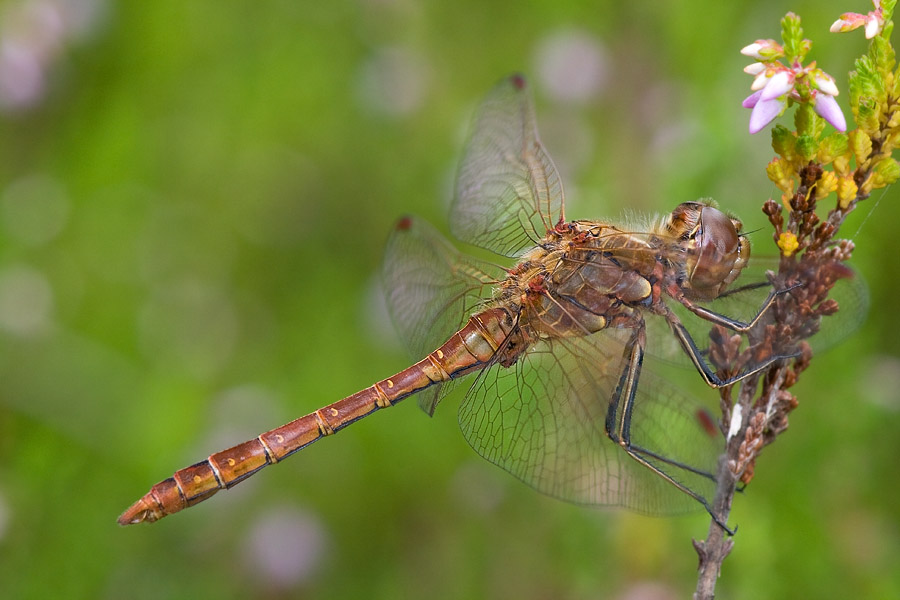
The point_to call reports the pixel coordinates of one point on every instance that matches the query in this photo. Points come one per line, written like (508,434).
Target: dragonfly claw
(724,527)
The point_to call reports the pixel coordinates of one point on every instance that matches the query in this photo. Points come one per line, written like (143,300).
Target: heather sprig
(811,165)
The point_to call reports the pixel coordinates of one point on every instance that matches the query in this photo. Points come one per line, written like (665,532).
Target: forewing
(543,420)
(508,192)
(431,290)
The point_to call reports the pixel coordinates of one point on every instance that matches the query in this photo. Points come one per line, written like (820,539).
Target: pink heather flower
(774,84)
(751,100)
(763,50)
(770,88)
(827,108)
(824,82)
(755,69)
(764,111)
(874,21)
(779,84)
(823,93)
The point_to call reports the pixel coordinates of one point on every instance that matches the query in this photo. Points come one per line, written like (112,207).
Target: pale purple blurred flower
(647,590)
(573,65)
(21,75)
(33,36)
(285,547)
(4,515)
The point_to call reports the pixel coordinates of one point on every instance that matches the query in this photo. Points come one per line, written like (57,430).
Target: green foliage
(882,54)
(784,142)
(807,147)
(887,171)
(832,146)
(864,80)
(866,85)
(861,146)
(795,48)
(809,125)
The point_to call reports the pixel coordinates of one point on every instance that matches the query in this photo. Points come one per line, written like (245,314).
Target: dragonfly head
(715,250)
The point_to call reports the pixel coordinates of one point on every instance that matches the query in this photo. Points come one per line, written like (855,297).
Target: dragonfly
(554,346)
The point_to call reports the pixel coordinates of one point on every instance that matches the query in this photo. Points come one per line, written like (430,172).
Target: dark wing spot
(518,81)
(404,224)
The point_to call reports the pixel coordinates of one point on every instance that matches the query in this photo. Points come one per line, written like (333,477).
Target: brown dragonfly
(556,344)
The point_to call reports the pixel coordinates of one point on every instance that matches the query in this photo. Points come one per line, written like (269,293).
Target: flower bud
(826,184)
(846,191)
(787,243)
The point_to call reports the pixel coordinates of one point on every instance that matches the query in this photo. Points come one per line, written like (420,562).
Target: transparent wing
(508,193)
(747,295)
(431,290)
(852,295)
(543,420)
(850,292)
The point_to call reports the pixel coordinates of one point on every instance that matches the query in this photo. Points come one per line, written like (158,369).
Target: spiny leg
(618,422)
(727,322)
(696,356)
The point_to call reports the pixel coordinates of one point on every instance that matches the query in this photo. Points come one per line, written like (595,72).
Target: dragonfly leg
(734,324)
(696,356)
(618,424)
(744,288)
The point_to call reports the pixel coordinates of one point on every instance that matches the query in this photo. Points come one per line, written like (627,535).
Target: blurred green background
(194,197)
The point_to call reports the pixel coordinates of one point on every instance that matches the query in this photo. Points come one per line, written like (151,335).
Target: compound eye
(718,246)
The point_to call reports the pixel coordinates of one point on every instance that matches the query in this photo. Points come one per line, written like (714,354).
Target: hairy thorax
(583,277)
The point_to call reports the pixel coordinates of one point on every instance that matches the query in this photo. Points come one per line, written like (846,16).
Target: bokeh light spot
(34,209)
(572,65)
(284,547)
(393,82)
(26,301)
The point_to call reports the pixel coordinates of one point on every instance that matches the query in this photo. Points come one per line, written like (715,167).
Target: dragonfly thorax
(585,276)
(582,278)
